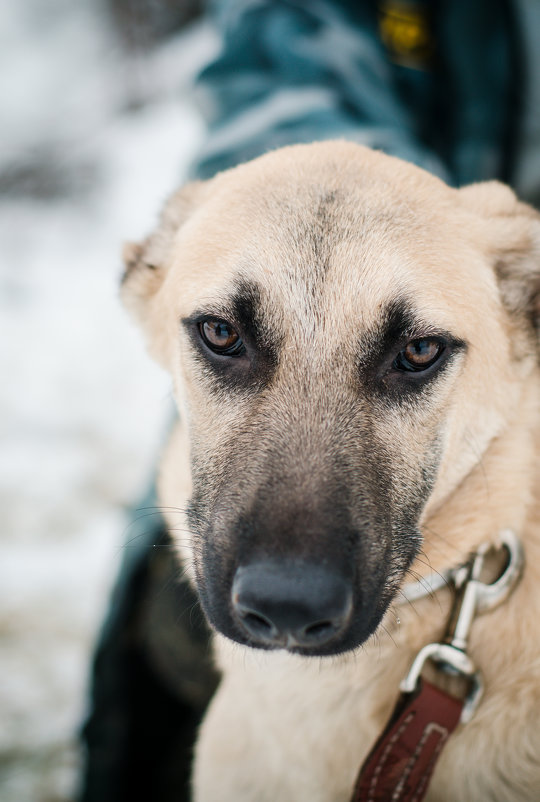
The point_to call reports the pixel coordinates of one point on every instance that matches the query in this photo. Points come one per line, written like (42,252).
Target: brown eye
(419,355)
(221,337)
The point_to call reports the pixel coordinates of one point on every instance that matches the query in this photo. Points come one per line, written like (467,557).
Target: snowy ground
(92,140)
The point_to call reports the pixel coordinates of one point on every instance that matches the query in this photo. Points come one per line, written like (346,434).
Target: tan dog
(354,348)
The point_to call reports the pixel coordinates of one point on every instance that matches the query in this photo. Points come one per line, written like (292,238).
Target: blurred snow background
(96,129)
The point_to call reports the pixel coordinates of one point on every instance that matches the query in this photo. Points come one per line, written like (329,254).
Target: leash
(400,765)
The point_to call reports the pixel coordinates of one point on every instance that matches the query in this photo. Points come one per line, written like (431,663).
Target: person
(451,86)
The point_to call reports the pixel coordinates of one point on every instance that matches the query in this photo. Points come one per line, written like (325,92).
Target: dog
(354,352)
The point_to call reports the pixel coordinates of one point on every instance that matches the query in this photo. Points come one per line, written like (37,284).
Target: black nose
(290,604)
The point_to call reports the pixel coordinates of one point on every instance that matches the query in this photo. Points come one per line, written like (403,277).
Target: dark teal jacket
(435,82)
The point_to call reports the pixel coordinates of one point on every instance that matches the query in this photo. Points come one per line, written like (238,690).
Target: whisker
(389,635)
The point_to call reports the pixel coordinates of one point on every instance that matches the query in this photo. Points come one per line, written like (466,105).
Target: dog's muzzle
(290,605)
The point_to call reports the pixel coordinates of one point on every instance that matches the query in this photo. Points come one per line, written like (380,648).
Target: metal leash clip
(472,597)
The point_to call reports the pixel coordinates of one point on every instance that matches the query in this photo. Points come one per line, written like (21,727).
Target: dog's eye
(419,355)
(221,337)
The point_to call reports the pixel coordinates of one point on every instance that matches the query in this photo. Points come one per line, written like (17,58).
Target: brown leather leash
(400,765)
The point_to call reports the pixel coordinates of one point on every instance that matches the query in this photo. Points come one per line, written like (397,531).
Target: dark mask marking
(254,369)
(380,346)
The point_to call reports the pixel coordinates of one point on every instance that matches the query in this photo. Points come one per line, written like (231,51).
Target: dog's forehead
(334,245)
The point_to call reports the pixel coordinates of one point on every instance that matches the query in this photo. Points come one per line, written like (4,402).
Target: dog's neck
(506,479)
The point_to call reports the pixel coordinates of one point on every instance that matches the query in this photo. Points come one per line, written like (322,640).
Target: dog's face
(347,337)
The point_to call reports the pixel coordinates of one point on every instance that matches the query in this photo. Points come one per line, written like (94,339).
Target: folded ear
(514,243)
(146,262)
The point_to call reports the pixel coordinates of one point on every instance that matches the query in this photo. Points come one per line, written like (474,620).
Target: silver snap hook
(472,597)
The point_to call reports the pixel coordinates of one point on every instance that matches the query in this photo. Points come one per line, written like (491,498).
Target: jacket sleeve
(296,71)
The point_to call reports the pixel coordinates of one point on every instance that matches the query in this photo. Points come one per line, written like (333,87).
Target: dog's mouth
(300,606)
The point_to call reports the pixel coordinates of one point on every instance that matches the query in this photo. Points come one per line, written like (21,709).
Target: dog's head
(348,337)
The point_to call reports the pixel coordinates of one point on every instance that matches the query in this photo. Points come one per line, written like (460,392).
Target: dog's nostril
(320,631)
(257,624)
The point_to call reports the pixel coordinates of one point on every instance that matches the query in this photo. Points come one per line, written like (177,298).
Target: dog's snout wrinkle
(291,604)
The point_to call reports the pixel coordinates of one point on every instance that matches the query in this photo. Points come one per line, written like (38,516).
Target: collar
(492,594)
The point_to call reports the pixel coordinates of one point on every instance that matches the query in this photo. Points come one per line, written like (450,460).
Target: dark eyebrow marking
(379,347)
(397,323)
(244,309)
(248,310)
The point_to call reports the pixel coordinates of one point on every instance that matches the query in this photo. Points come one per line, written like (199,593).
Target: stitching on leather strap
(428,730)
(427,774)
(384,756)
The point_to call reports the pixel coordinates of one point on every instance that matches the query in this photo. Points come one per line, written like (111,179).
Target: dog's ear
(514,243)
(146,262)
